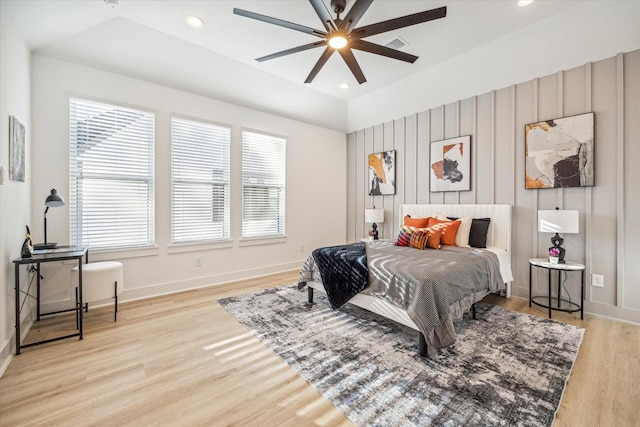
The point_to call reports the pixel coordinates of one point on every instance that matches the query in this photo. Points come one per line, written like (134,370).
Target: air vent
(397,43)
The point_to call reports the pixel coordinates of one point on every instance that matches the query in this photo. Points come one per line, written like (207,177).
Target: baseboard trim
(133,294)
(9,348)
(608,311)
(205,281)
(6,355)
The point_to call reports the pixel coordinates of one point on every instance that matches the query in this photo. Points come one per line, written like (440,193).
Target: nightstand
(556,303)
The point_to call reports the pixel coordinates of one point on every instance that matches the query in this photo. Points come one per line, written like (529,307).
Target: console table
(62,253)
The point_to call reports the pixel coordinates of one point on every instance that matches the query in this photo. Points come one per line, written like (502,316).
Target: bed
(388,266)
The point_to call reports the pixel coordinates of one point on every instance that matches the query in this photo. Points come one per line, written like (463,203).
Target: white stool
(100,281)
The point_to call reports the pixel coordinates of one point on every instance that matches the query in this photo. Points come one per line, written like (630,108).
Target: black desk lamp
(54,200)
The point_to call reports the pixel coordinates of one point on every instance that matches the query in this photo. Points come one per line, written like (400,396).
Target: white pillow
(462,236)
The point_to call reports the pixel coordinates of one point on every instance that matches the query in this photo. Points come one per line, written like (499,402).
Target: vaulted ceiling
(152,41)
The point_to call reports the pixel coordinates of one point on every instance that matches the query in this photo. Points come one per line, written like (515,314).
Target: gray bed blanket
(435,287)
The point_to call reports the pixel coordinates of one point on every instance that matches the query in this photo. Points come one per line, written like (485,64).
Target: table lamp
(54,200)
(373,216)
(558,221)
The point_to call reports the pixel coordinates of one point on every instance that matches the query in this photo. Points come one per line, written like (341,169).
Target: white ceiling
(151,40)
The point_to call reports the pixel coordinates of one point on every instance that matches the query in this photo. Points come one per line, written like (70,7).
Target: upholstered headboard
(499,233)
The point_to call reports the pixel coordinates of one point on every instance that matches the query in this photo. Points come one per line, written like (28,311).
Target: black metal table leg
(38,291)
(80,294)
(582,296)
(530,297)
(549,279)
(17,288)
(559,286)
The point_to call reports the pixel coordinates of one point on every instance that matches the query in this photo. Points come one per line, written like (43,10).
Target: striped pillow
(419,238)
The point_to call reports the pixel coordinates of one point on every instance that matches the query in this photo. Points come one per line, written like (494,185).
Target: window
(263,185)
(199,181)
(110,175)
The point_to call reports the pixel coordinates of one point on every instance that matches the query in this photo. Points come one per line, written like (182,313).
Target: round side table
(556,303)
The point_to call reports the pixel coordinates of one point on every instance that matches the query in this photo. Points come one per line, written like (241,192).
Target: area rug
(505,369)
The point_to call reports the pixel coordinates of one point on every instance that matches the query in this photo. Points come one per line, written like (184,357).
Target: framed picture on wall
(16,150)
(559,152)
(450,168)
(382,173)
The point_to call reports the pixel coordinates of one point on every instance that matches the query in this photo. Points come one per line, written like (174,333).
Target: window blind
(263,185)
(200,163)
(111,161)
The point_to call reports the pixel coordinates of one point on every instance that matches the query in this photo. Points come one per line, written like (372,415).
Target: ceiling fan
(342,35)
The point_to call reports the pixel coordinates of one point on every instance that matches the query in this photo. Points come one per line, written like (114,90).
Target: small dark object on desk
(27,247)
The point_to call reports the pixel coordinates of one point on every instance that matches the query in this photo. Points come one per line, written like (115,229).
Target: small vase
(553,259)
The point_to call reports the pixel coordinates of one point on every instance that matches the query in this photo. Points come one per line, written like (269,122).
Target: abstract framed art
(559,153)
(450,168)
(16,150)
(382,173)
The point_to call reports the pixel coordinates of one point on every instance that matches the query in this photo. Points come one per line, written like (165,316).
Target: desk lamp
(557,221)
(54,200)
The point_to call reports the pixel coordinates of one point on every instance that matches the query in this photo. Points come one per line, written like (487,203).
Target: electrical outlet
(198,261)
(301,248)
(597,280)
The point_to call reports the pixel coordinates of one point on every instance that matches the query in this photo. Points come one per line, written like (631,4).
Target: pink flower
(554,252)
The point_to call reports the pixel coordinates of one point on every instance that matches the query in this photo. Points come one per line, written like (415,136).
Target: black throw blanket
(343,270)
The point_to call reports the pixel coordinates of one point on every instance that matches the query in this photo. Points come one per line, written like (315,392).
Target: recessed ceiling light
(194,21)
(344,86)
(523,3)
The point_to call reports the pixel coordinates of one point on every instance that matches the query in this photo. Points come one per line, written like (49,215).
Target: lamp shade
(373,215)
(54,200)
(557,221)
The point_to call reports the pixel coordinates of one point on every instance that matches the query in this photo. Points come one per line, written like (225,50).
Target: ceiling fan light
(338,41)
(344,86)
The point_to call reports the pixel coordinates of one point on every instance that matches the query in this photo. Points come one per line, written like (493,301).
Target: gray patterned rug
(506,369)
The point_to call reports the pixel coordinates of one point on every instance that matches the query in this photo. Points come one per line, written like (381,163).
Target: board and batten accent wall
(608,242)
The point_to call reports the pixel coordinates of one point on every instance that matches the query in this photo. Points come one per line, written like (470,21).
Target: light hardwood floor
(182,360)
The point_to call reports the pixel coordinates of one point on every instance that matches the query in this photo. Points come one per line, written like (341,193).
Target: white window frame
(111,175)
(200,167)
(263,185)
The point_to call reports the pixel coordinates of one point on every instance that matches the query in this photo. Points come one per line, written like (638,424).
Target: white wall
(588,32)
(316,195)
(15,196)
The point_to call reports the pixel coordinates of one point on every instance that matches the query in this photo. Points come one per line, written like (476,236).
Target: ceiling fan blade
(403,21)
(382,50)
(292,50)
(353,65)
(323,60)
(355,13)
(323,14)
(280,22)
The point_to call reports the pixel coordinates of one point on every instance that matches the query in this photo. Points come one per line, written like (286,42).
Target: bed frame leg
(473,310)
(310,294)
(422,345)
